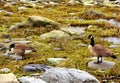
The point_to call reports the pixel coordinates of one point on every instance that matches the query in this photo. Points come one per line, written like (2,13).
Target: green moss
(77,56)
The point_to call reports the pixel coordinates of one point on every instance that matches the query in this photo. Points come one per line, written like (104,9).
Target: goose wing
(23,47)
(100,50)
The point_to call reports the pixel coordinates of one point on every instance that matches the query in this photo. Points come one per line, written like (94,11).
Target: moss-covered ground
(77,56)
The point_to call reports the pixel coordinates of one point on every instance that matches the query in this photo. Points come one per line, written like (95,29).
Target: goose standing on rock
(21,49)
(99,50)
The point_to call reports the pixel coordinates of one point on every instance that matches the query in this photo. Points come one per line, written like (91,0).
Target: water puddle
(114,40)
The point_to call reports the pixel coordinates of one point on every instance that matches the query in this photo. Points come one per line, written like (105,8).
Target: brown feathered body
(100,51)
(20,49)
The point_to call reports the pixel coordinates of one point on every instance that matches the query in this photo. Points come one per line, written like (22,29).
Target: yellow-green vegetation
(77,56)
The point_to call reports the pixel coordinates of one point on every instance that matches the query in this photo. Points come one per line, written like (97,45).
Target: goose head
(90,37)
(11,48)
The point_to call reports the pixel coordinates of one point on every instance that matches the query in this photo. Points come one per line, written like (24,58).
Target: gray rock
(23,42)
(35,67)
(8,4)
(105,65)
(54,34)
(114,40)
(88,2)
(8,78)
(6,36)
(6,53)
(6,70)
(29,37)
(55,60)
(111,21)
(114,46)
(7,41)
(3,47)
(94,14)
(83,45)
(22,8)
(7,12)
(16,57)
(27,79)
(90,26)
(64,75)
(74,30)
(57,49)
(15,26)
(35,21)
(72,2)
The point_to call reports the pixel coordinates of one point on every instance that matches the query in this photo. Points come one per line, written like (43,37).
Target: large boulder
(64,33)
(64,75)
(54,34)
(8,78)
(35,21)
(27,79)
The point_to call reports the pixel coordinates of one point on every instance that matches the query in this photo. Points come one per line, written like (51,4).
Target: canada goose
(21,49)
(99,50)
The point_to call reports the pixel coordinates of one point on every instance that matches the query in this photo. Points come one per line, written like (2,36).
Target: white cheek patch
(27,51)
(91,37)
(12,50)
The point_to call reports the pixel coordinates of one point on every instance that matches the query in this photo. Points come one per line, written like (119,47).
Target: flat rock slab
(103,66)
(35,67)
(6,70)
(16,57)
(8,78)
(3,47)
(67,75)
(27,79)
(55,60)
(22,42)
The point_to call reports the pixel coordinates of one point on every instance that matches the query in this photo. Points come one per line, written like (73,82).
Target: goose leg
(97,61)
(101,60)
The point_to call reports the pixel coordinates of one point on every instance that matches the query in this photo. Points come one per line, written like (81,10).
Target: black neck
(92,42)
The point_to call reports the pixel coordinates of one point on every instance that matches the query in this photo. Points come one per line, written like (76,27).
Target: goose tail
(113,56)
